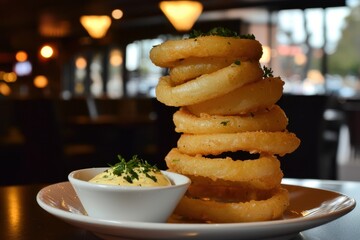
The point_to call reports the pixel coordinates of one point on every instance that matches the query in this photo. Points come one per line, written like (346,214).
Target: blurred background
(72,97)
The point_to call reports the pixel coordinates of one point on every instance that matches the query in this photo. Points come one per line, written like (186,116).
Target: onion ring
(273,119)
(250,97)
(207,86)
(279,143)
(191,68)
(225,107)
(262,173)
(267,183)
(220,212)
(167,53)
(227,193)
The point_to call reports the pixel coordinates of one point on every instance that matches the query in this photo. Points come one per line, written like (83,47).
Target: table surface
(22,218)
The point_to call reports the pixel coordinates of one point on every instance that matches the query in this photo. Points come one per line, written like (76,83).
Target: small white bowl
(128,203)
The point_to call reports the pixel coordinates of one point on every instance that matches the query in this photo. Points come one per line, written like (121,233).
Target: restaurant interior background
(69,100)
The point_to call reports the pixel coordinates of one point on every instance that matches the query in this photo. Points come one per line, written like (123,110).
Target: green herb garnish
(224,32)
(131,168)
(268,72)
(195,33)
(219,31)
(237,62)
(247,36)
(224,123)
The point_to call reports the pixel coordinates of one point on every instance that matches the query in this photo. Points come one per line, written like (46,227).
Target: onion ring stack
(227,105)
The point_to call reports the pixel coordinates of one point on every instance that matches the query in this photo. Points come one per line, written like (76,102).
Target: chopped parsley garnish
(237,62)
(224,123)
(248,36)
(224,32)
(195,33)
(134,166)
(268,72)
(220,31)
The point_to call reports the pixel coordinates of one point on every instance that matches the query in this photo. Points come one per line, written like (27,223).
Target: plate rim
(301,223)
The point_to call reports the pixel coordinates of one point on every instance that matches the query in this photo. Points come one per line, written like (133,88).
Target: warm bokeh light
(265,58)
(117,14)
(21,56)
(181,14)
(5,90)
(80,63)
(300,59)
(96,26)
(46,51)
(15,209)
(116,58)
(50,25)
(9,77)
(79,88)
(40,81)
(315,77)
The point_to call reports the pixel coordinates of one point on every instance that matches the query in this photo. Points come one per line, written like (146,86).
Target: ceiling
(24,23)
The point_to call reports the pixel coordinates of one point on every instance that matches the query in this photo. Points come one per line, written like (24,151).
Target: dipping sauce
(136,172)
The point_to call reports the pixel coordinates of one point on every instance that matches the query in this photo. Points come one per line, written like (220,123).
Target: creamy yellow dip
(108,177)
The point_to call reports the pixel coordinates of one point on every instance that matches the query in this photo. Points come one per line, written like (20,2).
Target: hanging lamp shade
(96,26)
(181,14)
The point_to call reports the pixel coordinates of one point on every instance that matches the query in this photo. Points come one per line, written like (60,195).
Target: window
(97,73)
(80,75)
(143,75)
(115,83)
(311,51)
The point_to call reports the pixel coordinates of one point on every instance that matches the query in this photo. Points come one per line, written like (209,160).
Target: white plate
(309,207)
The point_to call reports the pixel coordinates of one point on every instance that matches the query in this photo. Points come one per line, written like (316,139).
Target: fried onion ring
(167,53)
(249,185)
(191,68)
(227,111)
(279,143)
(250,97)
(227,193)
(262,173)
(208,86)
(273,119)
(220,212)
